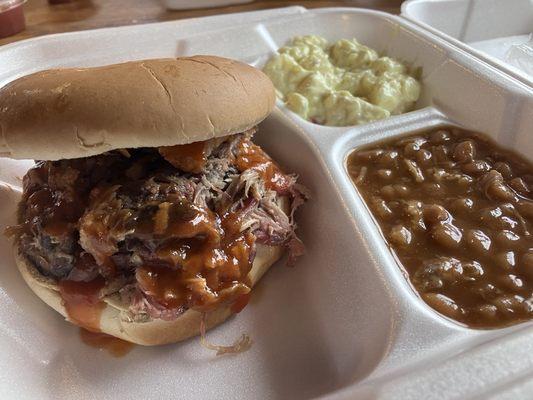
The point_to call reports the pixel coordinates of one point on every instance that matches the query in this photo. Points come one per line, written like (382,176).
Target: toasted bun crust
(80,112)
(114,319)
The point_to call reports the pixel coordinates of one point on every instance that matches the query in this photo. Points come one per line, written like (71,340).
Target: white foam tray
(486,28)
(344,323)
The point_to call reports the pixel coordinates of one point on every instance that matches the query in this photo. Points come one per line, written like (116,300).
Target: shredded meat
(170,229)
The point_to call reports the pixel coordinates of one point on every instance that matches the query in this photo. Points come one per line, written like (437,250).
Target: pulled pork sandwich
(150,213)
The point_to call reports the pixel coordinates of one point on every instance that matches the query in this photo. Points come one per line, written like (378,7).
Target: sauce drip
(82,302)
(251,156)
(241,302)
(114,346)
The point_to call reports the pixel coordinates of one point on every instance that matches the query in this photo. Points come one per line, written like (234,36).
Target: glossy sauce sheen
(252,156)
(457,211)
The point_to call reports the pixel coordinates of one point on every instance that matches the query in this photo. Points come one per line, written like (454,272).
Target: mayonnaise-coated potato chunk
(340,84)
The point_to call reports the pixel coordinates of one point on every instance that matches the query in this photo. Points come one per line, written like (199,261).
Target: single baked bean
(446,235)
(394,204)
(507,239)
(507,208)
(413,207)
(476,167)
(359,176)
(491,213)
(439,137)
(487,291)
(369,155)
(505,260)
(431,283)
(423,157)
(411,149)
(433,189)
(379,206)
(413,210)
(400,235)
(512,282)
(462,205)
(388,192)
(448,268)
(508,304)
(401,190)
(414,170)
(519,185)
(465,151)
(487,310)
(495,219)
(388,158)
(472,270)
(508,222)
(435,213)
(495,187)
(464,180)
(443,304)
(385,174)
(504,169)
(500,191)
(478,241)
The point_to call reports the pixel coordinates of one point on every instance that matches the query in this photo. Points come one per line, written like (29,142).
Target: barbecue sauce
(114,346)
(82,302)
(186,157)
(251,156)
(194,272)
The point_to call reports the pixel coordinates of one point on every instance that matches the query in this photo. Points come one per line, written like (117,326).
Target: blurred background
(53,16)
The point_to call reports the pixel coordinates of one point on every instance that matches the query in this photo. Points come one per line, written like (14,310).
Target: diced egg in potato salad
(341,84)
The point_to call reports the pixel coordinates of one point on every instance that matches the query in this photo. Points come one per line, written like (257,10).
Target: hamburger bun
(115,320)
(81,112)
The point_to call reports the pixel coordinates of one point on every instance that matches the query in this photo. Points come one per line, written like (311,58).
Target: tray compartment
(317,327)
(421,335)
(344,322)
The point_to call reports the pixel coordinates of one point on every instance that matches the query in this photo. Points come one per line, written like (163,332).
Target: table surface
(43,19)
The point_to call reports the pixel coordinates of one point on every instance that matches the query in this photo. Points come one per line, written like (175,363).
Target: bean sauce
(457,211)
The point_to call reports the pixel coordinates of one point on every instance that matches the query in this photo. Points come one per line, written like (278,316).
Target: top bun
(80,112)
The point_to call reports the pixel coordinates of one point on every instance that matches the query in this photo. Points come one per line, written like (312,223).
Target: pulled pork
(175,226)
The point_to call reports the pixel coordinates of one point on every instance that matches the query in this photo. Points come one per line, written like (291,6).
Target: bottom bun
(114,319)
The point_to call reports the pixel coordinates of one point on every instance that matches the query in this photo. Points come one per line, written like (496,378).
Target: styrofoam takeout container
(344,323)
(489,29)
